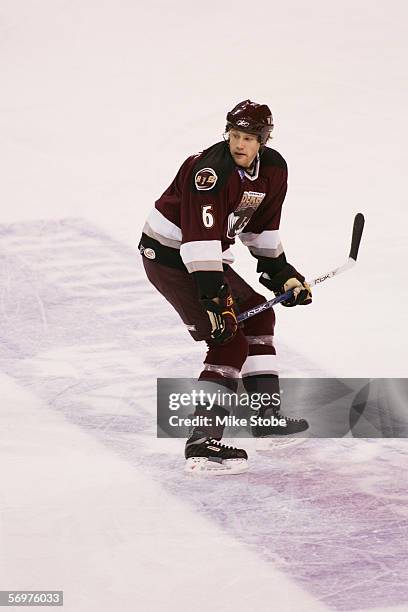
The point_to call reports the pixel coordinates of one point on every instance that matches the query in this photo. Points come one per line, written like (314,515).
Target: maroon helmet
(252,118)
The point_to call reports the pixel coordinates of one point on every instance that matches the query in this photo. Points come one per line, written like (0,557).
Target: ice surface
(325,514)
(100,104)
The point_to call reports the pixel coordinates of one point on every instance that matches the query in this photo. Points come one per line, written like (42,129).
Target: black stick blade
(358,227)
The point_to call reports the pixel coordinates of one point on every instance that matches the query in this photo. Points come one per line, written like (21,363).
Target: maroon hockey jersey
(209,203)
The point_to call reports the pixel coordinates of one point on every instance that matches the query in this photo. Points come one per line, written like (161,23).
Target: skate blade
(264,445)
(202,466)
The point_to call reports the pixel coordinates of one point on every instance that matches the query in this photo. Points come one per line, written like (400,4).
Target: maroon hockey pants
(250,353)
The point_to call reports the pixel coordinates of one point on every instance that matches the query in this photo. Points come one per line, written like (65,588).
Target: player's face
(244,147)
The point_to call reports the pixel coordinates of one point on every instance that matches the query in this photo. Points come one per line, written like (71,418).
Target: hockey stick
(358,227)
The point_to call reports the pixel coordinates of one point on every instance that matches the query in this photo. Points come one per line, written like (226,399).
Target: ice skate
(274,431)
(209,456)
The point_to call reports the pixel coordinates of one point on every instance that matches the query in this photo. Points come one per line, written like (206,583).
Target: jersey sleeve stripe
(201,255)
(204,266)
(265,244)
(160,228)
(271,253)
(267,239)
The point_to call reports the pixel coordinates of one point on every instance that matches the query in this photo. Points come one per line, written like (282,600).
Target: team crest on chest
(251,198)
(238,219)
(205,179)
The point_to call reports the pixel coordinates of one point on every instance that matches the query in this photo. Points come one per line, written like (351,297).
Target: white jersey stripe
(228,257)
(161,226)
(201,251)
(268,239)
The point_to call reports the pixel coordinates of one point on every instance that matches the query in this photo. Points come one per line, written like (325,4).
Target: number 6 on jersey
(208,217)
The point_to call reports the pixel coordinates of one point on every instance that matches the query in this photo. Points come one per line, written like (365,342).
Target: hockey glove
(288,278)
(222,316)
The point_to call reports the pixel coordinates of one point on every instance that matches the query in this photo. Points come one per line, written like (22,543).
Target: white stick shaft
(320,279)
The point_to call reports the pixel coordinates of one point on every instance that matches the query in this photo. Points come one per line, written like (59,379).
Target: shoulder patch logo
(205,179)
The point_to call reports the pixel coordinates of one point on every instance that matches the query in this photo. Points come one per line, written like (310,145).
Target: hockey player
(234,188)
